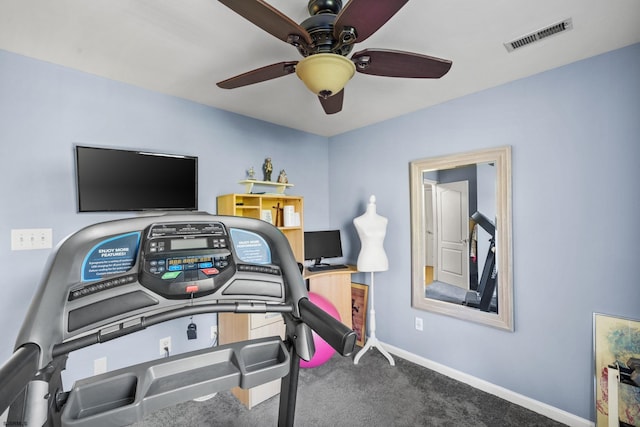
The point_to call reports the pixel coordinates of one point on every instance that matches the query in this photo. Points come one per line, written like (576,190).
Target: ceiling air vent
(551,30)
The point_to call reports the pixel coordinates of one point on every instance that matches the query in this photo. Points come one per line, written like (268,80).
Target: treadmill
(118,277)
(482,298)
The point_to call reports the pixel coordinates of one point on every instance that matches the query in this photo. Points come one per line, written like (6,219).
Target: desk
(334,285)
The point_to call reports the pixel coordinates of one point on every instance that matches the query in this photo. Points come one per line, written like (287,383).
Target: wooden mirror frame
(501,157)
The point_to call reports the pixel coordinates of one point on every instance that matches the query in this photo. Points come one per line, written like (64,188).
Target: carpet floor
(372,393)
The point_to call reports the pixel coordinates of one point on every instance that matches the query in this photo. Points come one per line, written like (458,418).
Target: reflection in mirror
(461,236)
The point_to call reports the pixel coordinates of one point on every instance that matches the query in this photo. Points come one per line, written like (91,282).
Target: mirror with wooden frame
(461,236)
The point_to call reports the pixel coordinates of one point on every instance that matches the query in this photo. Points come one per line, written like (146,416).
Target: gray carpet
(372,393)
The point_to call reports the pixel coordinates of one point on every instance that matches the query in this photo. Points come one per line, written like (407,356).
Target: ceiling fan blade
(332,104)
(366,16)
(395,63)
(258,75)
(269,19)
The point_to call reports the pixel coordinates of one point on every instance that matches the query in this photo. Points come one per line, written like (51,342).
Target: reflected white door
(452,204)
(429,224)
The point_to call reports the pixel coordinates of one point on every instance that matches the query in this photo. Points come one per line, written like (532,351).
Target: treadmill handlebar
(334,332)
(485,223)
(17,372)
(144,322)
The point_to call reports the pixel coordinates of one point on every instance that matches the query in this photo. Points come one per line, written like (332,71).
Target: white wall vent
(551,30)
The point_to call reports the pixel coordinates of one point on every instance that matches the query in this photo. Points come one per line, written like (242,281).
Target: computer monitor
(319,245)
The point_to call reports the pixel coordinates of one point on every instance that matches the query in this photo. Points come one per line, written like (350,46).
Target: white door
(452,205)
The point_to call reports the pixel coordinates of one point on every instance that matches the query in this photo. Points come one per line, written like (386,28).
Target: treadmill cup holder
(125,396)
(257,360)
(104,396)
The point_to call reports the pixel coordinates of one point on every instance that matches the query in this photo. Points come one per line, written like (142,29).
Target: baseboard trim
(536,406)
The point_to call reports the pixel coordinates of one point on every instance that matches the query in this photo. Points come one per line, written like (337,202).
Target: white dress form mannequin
(372,229)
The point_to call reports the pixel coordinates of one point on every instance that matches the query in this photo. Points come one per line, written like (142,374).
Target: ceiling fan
(325,39)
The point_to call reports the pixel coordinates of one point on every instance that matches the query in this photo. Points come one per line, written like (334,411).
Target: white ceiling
(183,47)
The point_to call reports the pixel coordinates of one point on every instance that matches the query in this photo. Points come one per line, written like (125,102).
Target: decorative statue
(251,173)
(282,178)
(267,167)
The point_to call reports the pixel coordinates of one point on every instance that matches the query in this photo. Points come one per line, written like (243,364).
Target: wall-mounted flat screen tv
(111,180)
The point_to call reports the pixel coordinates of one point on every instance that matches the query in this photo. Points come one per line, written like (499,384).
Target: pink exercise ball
(323,350)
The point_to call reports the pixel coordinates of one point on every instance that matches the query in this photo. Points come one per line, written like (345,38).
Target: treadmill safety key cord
(192,329)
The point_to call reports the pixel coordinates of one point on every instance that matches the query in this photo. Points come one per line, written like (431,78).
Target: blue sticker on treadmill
(250,247)
(111,256)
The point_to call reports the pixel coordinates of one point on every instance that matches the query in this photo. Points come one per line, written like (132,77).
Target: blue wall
(575,133)
(575,138)
(45,109)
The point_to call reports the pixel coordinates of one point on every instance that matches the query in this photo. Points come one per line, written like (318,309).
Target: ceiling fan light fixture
(325,74)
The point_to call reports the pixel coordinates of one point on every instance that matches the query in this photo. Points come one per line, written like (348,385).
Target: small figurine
(282,178)
(267,167)
(251,173)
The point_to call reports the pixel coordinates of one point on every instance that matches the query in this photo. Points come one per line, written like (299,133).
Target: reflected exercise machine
(483,297)
(119,277)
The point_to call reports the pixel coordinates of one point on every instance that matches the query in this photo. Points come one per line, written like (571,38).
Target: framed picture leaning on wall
(359,297)
(616,344)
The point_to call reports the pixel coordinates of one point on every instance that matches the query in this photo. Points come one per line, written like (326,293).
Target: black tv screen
(322,244)
(122,180)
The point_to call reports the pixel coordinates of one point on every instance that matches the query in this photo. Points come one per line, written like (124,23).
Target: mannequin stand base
(373,342)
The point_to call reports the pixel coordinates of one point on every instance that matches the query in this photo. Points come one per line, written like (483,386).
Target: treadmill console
(181,260)
(135,272)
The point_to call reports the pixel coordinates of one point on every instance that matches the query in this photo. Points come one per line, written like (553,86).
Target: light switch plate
(31,238)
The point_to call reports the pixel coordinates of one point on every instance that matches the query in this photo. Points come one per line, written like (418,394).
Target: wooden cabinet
(271,206)
(241,327)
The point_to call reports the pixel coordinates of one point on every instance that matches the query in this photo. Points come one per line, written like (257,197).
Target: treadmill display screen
(199,243)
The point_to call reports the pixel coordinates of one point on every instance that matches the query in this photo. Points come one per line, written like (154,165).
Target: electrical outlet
(214,333)
(165,343)
(100,366)
(418,323)
(31,238)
